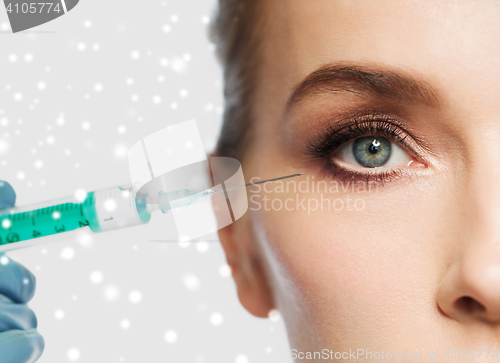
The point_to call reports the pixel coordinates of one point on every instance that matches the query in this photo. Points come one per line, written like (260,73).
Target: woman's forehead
(453,43)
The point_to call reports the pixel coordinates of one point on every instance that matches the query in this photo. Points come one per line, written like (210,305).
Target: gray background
(75,93)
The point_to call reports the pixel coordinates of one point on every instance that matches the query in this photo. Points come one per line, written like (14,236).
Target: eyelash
(324,145)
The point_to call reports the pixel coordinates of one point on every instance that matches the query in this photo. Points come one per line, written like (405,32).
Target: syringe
(102,210)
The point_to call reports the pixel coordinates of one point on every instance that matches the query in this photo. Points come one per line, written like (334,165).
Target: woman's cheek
(349,266)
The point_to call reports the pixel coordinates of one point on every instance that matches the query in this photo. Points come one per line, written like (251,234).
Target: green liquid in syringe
(45,221)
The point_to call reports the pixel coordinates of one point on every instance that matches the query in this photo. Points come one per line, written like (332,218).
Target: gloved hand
(19,339)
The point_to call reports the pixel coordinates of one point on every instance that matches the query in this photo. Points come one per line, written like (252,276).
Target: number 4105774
(33,8)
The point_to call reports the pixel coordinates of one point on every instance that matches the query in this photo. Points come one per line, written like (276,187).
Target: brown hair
(234,32)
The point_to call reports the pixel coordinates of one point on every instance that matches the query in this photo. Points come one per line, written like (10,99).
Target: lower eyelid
(412,164)
(346,176)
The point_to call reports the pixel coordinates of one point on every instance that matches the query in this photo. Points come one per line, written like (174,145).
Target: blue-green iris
(371,151)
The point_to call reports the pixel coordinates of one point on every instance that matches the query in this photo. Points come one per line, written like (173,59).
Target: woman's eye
(373,152)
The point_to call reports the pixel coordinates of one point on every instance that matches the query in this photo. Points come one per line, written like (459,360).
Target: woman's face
(399,249)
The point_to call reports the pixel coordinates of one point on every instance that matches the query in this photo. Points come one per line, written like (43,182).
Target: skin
(394,275)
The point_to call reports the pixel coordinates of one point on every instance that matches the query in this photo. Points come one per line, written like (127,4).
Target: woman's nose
(470,287)
(470,290)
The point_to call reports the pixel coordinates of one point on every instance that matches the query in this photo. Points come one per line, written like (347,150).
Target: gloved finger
(7,195)
(21,346)
(16,281)
(15,316)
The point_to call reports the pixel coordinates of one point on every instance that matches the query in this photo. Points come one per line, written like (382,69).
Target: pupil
(374,146)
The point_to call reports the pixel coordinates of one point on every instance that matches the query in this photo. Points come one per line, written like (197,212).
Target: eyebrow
(364,80)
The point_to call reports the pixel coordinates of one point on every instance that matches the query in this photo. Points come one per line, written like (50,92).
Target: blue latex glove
(19,339)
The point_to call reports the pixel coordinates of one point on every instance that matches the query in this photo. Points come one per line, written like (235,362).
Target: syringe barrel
(102,210)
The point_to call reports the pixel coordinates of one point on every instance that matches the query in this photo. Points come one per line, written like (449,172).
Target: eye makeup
(381,125)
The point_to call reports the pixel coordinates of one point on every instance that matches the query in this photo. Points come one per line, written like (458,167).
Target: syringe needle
(259,182)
